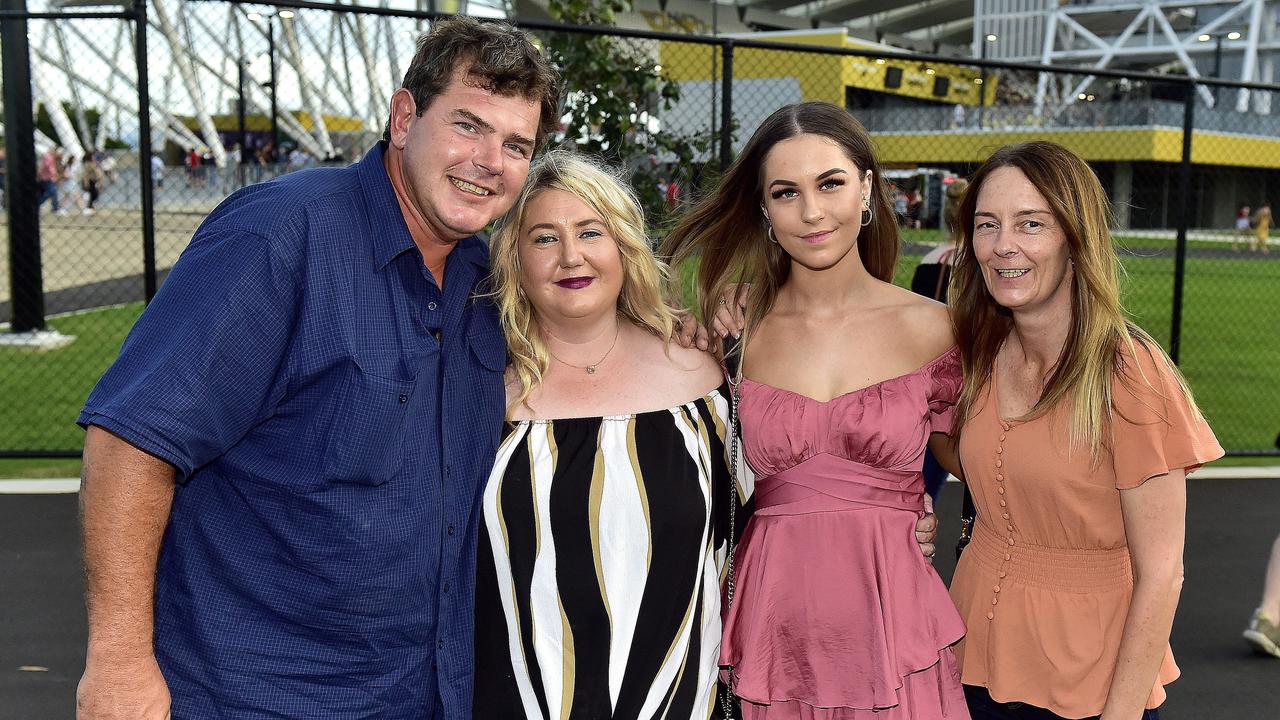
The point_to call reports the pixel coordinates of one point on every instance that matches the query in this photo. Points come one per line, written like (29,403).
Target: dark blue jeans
(982,707)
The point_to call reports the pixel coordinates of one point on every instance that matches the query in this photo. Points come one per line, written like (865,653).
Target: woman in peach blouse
(1077,432)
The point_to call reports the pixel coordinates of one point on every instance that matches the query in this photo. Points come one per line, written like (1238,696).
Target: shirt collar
(390,233)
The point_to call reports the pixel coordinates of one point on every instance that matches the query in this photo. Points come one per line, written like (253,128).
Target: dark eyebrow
(820,178)
(474,119)
(480,123)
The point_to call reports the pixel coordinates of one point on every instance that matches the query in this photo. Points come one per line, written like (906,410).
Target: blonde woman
(1076,433)
(606,513)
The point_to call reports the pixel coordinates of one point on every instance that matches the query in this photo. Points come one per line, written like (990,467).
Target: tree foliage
(614,99)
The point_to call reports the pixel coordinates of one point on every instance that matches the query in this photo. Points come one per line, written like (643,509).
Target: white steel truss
(1132,34)
(328,65)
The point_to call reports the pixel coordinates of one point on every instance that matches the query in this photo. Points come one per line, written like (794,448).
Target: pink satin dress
(837,615)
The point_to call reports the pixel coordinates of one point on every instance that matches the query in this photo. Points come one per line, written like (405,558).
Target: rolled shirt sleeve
(206,361)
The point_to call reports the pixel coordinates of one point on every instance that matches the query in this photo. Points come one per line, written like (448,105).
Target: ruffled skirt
(837,616)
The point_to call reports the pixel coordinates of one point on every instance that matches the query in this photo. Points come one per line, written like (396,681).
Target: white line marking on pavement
(50,486)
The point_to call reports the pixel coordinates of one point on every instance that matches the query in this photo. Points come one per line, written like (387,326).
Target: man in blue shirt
(282,468)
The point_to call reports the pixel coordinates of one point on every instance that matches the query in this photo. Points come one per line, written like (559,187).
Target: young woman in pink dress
(846,378)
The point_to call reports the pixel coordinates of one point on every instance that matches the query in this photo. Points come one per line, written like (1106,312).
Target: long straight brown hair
(727,228)
(1092,355)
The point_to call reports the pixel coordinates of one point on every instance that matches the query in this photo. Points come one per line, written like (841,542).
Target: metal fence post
(26,277)
(1184,219)
(144,151)
(726,105)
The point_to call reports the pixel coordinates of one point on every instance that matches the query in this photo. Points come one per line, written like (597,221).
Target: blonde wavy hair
(1100,333)
(646,280)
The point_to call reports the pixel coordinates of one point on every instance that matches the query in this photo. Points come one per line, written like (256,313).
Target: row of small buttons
(1004,515)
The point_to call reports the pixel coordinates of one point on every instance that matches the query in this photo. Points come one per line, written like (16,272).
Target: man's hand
(129,690)
(731,312)
(691,333)
(927,529)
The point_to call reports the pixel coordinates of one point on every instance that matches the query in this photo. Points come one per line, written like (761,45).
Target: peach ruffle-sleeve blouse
(1044,586)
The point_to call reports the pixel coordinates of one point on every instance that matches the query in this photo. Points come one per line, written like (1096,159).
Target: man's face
(466,157)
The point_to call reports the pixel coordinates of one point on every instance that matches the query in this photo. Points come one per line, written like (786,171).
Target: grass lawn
(43,391)
(1230,354)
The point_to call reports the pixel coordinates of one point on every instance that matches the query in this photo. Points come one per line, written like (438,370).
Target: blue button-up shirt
(332,415)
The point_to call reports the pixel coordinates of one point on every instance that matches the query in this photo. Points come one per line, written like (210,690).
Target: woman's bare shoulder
(922,323)
(681,374)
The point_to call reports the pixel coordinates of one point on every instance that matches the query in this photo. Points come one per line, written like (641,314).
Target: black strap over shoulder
(732,358)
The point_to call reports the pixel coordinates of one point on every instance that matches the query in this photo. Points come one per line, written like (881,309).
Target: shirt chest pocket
(365,443)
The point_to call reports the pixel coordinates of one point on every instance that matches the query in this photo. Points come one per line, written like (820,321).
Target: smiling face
(466,156)
(813,198)
(1020,246)
(570,265)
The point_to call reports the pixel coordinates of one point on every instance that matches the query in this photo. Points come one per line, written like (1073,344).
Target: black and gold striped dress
(600,562)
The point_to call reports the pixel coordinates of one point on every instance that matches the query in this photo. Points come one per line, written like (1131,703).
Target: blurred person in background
(93,179)
(1262,228)
(1263,632)
(48,175)
(1076,433)
(71,184)
(1242,227)
(931,279)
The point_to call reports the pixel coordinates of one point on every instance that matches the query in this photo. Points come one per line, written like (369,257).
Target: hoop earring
(769,231)
(867,215)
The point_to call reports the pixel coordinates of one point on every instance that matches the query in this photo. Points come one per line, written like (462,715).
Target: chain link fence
(240,93)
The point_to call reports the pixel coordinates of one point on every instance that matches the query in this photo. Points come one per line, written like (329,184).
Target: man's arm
(125,499)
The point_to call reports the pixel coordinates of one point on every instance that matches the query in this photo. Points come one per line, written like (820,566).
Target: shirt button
(1000,477)
(991,616)
(1010,541)
(404,398)
(440,644)
(1005,516)
(999,451)
(446,587)
(1004,504)
(1000,490)
(995,601)
(995,589)
(1007,556)
(431,306)
(1001,437)
(1010,527)
(1003,573)
(999,463)
(450,530)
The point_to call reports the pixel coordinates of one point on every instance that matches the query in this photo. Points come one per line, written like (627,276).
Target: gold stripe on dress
(595,499)
(644,496)
(567,663)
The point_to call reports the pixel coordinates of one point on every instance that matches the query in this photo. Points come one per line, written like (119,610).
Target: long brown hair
(728,230)
(1092,354)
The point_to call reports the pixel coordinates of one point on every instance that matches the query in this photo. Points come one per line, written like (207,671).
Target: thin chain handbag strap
(726,699)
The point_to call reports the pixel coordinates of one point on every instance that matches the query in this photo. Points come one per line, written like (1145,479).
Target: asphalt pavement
(1230,527)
